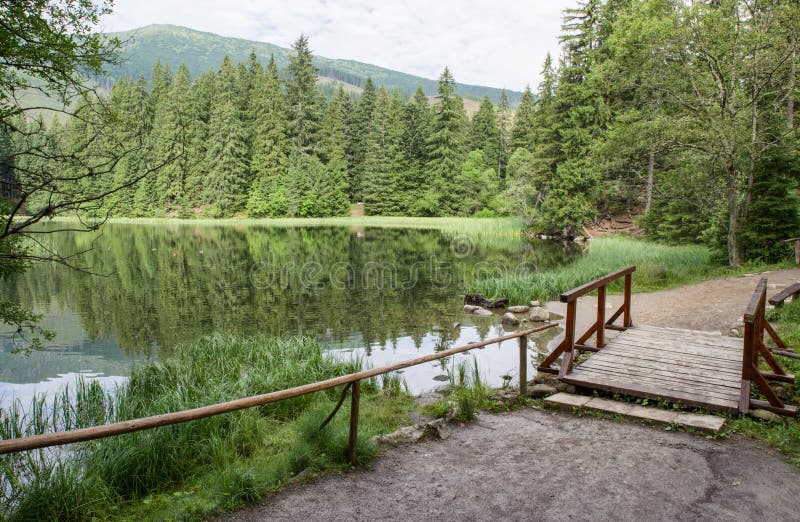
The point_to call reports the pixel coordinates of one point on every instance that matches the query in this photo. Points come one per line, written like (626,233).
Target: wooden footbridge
(682,366)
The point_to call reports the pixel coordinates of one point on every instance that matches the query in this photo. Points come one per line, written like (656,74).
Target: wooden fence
(352,382)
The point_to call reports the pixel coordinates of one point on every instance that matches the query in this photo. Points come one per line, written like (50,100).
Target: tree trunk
(790,97)
(734,257)
(650,168)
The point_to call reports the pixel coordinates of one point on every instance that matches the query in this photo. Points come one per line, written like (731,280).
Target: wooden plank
(655,376)
(642,390)
(780,297)
(756,301)
(703,346)
(685,372)
(728,343)
(661,385)
(647,352)
(682,332)
(685,350)
(674,357)
(728,388)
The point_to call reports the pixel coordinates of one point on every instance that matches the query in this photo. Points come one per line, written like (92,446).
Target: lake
(385,294)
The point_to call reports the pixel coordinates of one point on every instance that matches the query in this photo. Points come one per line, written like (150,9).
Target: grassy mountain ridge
(201,51)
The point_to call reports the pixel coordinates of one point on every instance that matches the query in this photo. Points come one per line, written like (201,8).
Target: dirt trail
(541,465)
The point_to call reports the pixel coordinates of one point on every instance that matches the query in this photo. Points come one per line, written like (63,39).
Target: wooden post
(797,251)
(601,316)
(523,366)
(626,317)
(569,339)
(354,400)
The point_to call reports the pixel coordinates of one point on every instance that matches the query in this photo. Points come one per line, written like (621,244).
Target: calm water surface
(385,294)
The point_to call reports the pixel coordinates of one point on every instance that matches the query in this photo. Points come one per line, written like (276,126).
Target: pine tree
(503,134)
(417,130)
(228,179)
(170,136)
(522,133)
(445,150)
(269,144)
(332,152)
(358,131)
(385,165)
(302,98)
(484,133)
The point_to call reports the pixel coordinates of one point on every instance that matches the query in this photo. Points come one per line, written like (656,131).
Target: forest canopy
(678,113)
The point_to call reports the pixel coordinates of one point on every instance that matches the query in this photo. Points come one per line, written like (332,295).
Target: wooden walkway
(693,368)
(680,366)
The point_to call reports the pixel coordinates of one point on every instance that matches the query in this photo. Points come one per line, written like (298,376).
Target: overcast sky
(497,43)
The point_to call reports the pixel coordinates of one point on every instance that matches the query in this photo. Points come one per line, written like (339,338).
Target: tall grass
(193,469)
(657,266)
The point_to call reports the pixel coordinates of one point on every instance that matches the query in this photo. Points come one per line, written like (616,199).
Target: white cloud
(500,43)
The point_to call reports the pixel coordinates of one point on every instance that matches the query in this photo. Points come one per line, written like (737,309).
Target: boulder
(538,391)
(510,319)
(410,434)
(539,315)
(485,302)
(483,312)
(519,309)
(468,309)
(765,415)
(534,304)
(566,388)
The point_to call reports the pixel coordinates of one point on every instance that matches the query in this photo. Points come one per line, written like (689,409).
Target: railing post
(523,365)
(569,339)
(626,317)
(354,400)
(601,316)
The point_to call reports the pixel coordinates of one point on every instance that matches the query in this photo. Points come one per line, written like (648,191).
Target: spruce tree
(358,132)
(418,119)
(228,179)
(445,150)
(484,133)
(269,143)
(503,134)
(522,133)
(385,165)
(302,98)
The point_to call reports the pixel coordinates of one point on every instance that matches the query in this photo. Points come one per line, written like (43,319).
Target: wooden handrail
(575,293)
(568,346)
(753,350)
(165,419)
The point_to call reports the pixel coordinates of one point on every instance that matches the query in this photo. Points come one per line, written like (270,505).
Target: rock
(437,329)
(765,415)
(519,309)
(564,387)
(534,304)
(483,312)
(539,315)
(510,319)
(485,302)
(405,435)
(441,377)
(468,309)
(541,390)
(545,378)
(437,429)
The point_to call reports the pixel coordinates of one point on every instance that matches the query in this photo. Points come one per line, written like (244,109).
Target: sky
(496,43)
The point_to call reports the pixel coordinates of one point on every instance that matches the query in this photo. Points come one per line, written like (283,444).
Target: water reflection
(376,292)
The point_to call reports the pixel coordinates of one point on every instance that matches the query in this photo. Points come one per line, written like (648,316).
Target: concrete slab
(621,408)
(567,400)
(710,423)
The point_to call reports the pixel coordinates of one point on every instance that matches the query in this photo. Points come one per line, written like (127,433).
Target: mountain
(201,51)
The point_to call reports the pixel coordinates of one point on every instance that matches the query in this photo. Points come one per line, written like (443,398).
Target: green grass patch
(194,469)
(658,266)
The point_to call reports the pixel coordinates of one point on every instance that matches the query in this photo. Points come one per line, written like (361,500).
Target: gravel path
(542,465)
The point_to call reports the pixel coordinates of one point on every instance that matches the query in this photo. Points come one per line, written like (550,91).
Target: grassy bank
(191,470)
(658,266)
(783,435)
(506,225)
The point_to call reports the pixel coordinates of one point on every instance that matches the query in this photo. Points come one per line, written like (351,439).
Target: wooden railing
(567,348)
(755,325)
(351,381)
